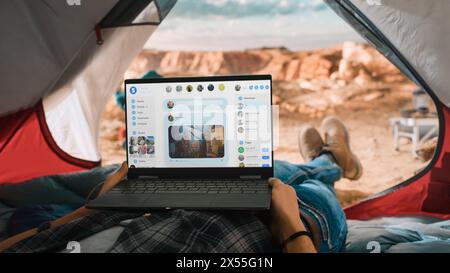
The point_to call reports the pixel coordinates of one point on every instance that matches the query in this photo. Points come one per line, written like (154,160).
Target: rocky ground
(351,81)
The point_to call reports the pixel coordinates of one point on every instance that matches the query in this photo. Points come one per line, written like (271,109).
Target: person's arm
(286,219)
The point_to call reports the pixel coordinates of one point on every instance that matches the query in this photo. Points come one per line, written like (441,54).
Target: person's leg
(322,168)
(320,165)
(329,160)
(314,185)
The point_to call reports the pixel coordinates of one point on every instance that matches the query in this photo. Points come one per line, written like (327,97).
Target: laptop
(202,143)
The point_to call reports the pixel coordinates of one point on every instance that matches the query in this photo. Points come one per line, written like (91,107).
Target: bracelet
(295,236)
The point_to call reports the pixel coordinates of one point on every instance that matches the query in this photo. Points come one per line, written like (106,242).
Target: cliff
(307,82)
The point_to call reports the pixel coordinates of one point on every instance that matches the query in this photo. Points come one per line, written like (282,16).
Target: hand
(115,178)
(284,209)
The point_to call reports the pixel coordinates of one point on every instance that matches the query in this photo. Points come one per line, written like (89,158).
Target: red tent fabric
(28,150)
(429,195)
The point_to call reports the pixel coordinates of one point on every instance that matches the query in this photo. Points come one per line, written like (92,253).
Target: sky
(245,24)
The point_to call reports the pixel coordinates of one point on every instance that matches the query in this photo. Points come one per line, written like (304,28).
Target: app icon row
(210,87)
(200,88)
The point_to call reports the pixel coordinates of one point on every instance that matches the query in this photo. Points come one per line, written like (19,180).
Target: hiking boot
(337,141)
(310,142)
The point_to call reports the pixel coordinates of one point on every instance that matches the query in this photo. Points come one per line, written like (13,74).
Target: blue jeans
(314,184)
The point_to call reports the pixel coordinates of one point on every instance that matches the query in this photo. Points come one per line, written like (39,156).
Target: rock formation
(309,82)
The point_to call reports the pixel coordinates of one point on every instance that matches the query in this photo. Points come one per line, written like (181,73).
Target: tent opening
(395,125)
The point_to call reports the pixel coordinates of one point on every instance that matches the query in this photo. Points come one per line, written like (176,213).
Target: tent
(415,36)
(61,60)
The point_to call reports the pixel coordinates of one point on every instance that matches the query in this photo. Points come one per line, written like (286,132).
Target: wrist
(291,227)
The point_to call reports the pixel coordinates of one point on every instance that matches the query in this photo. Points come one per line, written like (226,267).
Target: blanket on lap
(162,232)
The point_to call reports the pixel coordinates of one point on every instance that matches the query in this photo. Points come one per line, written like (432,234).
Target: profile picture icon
(241,157)
(240,106)
(200,88)
(241,165)
(241,130)
(169,89)
(179,88)
(221,87)
(211,87)
(170,104)
(240,114)
(189,88)
(237,88)
(133,90)
(170,118)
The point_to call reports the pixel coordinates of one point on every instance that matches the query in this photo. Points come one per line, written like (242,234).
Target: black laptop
(201,143)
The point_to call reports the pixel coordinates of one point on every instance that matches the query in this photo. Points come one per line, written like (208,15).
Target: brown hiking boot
(310,142)
(337,141)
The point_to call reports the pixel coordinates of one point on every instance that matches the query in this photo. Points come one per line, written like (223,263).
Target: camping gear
(419,130)
(421,101)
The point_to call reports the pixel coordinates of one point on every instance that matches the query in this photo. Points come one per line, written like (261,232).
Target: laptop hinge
(143,176)
(148,176)
(250,176)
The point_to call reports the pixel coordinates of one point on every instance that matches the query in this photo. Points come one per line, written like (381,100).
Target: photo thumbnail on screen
(196,141)
(142,145)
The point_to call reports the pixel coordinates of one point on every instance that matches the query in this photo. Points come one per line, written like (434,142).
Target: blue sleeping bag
(29,204)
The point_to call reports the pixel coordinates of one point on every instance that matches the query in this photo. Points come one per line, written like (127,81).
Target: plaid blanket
(162,232)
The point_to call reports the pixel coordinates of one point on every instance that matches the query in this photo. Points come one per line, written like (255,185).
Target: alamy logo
(74,247)
(374,2)
(74,2)
(374,247)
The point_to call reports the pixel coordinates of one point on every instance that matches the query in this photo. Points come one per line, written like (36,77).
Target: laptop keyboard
(157,186)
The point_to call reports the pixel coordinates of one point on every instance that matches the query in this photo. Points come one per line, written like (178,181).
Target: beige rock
(363,79)
(315,67)
(373,96)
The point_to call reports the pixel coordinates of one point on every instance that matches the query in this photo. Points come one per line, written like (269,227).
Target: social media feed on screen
(199,124)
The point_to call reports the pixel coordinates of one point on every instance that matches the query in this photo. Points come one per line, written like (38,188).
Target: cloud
(242,24)
(244,8)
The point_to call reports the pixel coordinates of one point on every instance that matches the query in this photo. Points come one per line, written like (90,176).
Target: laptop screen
(210,122)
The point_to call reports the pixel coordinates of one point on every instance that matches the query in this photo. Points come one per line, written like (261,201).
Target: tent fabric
(28,150)
(55,81)
(40,40)
(73,112)
(420,30)
(47,43)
